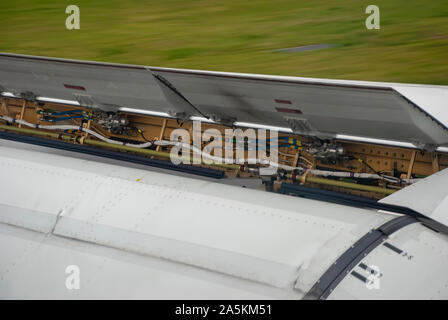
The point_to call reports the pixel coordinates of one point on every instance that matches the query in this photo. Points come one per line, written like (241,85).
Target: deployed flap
(181,107)
(89,83)
(428,196)
(316,107)
(311,106)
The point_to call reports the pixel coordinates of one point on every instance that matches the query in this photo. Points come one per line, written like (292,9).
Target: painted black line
(367,268)
(344,199)
(392,247)
(359,276)
(353,256)
(116,155)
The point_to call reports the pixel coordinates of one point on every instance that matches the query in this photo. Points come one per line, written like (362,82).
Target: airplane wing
(136,233)
(316,107)
(433,204)
(232,230)
(109,85)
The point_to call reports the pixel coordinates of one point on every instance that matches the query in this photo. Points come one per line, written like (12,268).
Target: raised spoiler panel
(309,106)
(110,85)
(318,107)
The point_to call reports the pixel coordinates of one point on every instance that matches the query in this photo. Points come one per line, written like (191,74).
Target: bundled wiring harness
(50,116)
(199,152)
(73,127)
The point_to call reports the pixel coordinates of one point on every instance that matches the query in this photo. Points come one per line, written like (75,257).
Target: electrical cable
(66,118)
(266,162)
(80,128)
(49,113)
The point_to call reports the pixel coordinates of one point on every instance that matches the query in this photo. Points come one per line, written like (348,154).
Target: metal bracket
(183,108)
(28,96)
(302,126)
(86,100)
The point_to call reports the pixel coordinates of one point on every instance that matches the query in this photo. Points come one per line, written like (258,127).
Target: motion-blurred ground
(239,36)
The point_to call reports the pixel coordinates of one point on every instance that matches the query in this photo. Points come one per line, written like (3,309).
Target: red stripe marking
(283,101)
(70,86)
(287,110)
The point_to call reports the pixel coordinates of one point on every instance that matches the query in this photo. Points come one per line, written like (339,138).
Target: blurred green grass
(239,36)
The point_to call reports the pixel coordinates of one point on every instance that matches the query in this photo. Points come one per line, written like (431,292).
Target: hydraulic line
(120,146)
(216,160)
(80,128)
(167,155)
(201,155)
(267,162)
(49,113)
(67,118)
(343,174)
(343,184)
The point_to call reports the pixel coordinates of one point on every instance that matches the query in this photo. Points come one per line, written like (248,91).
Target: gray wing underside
(312,107)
